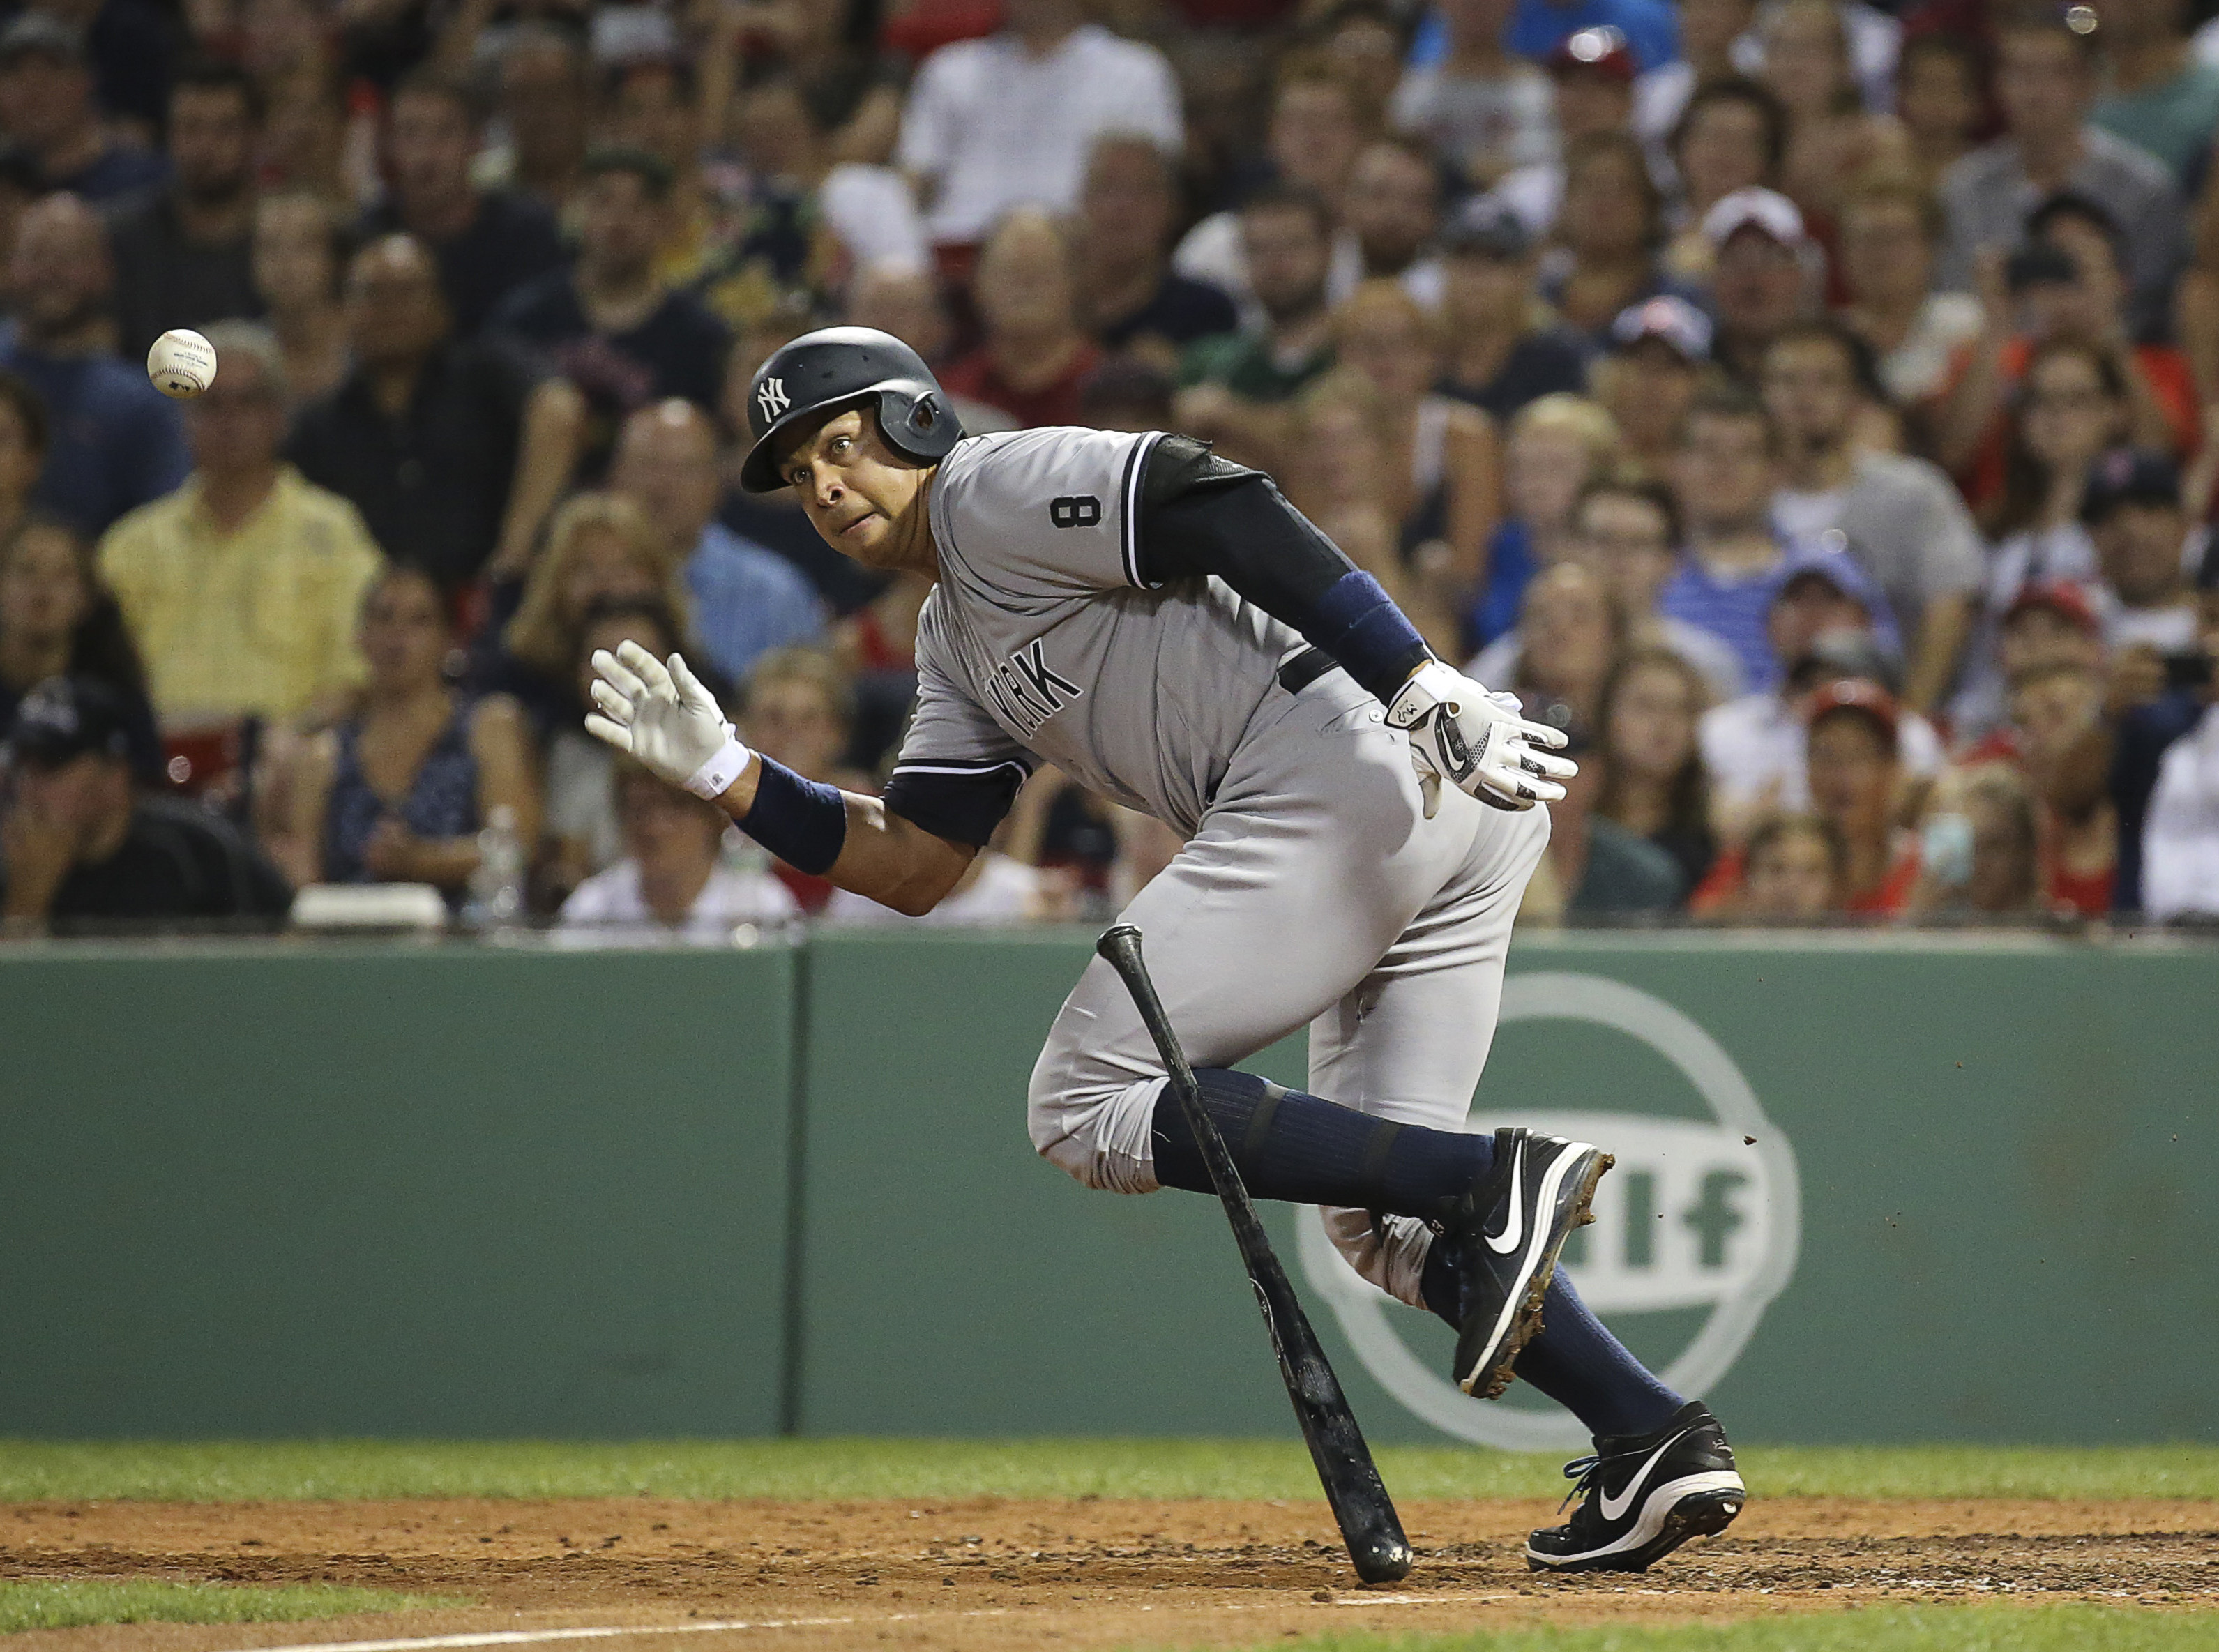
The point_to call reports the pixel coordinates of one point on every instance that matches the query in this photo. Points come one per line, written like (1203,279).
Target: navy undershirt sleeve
(1201,515)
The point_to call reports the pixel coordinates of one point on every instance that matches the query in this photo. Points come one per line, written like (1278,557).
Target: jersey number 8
(1075,511)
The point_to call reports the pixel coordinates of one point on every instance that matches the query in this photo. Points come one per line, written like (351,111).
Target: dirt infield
(996,1574)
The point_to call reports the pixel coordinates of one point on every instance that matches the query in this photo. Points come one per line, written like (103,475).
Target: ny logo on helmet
(771,397)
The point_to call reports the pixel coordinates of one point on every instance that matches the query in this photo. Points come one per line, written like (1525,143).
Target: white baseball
(182,363)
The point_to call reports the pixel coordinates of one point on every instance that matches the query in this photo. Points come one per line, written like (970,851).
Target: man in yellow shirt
(242,588)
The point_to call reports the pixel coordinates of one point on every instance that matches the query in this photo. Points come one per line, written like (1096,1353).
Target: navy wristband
(803,822)
(1359,625)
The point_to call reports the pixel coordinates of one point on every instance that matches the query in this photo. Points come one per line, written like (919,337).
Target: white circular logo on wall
(1732,1210)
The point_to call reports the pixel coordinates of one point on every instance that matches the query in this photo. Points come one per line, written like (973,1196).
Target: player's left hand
(1477,741)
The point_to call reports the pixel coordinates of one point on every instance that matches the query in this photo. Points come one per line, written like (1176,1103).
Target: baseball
(182,363)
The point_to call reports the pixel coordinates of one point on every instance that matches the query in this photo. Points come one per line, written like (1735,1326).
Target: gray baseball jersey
(1321,885)
(1041,642)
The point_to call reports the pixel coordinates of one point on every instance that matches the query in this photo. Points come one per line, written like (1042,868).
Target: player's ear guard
(831,369)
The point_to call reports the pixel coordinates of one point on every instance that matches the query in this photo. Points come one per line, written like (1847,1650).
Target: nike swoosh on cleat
(1615,1507)
(1515,1229)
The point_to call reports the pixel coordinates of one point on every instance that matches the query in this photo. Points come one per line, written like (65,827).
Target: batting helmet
(833,369)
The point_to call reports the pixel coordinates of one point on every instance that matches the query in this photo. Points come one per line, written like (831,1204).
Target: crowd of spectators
(1810,405)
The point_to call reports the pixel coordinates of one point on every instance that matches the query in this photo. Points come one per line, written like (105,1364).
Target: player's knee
(1097,1135)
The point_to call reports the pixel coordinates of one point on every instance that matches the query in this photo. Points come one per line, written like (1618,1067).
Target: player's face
(866,500)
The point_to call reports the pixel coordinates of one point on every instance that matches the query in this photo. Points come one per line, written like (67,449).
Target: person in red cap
(1591,71)
(1854,777)
(2049,622)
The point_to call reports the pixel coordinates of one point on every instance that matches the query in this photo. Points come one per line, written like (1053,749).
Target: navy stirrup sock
(1297,1147)
(1575,1361)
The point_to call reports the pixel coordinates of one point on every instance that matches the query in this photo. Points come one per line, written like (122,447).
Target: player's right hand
(1477,741)
(663,716)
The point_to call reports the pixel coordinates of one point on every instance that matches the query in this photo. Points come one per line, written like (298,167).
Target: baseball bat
(1369,1525)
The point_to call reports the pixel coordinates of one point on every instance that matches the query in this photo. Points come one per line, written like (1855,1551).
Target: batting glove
(664,718)
(1477,741)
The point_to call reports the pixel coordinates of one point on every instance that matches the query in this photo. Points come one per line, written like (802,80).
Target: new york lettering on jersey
(1027,691)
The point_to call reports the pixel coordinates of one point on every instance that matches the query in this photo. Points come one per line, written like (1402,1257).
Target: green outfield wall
(1868,1190)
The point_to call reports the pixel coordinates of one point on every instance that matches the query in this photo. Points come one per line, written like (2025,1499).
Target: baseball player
(1164,627)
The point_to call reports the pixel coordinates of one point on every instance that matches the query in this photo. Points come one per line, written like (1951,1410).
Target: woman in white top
(673,883)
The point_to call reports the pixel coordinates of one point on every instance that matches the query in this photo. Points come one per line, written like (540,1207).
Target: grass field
(71,1604)
(846,1470)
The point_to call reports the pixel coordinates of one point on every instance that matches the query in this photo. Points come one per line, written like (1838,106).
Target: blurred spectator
(1482,109)
(1132,299)
(1311,144)
(582,834)
(2045,82)
(1439,483)
(545,94)
(489,242)
(608,323)
(799,709)
(1890,232)
(1940,99)
(453,452)
(1733,137)
(1035,354)
(601,547)
(1233,380)
(1339,472)
(1604,870)
(131,46)
(1626,528)
(2155,95)
(673,877)
(1796,864)
(1393,207)
(1831,137)
(651,100)
(25,437)
(183,258)
(114,440)
(1506,347)
(1659,352)
(1664,94)
(1653,780)
(1556,445)
(299,260)
(2048,623)
(1591,75)
(1570,635)
(245,585)
(57,619)
(1900,517)
(2064,285)
(79,845)
(2059,741)
(1126,395)
(47,105)
(396,792)
(1611,229)
(1725,473)
(1855,773)
(2177,873)
(2133,511)
(1764,279)
(1009,121)
(848,60)
(1979,848)
(2072,408)
(746,599)
(804,219)
(1650,28)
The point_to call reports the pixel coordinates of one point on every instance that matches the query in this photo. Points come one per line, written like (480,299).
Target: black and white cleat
(1644,1495)
(1503,1239)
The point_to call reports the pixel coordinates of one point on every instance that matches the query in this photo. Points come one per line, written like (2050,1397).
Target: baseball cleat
(1503,1237)
(1644,1495)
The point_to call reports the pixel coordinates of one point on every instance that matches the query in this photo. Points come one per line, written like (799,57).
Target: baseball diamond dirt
(993,1574)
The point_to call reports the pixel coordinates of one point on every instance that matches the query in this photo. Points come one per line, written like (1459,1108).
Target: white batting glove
(663,716)
(1477,741)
